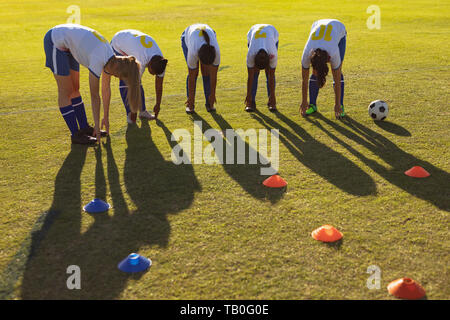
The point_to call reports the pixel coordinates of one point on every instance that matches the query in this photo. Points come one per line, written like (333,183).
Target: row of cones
(276,181)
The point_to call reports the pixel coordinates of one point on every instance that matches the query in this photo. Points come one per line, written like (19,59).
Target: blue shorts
(60,62)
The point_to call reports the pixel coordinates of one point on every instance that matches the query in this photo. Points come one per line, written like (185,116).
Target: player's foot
(146,115)
(312,108)
(131,118)
(190,111)
(343,112)
(251,108)
(81,138)
(210,109)
(89,131)
(272,108)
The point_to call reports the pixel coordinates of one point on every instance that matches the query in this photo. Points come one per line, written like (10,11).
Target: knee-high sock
(206,87)
(313,90)
(187,86)
(342,89)
(143,99)
(255,86)
(123,88)
(69,116)
(80,112)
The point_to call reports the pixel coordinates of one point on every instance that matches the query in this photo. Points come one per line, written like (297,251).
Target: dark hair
(207,53)
(158,64)
(262,59)
(319,61)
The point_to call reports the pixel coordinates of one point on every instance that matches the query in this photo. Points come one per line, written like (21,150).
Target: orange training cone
(406,288)
(275,181)
(417,172)
(327,233)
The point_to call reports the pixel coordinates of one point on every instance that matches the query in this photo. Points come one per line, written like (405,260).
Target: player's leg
(342,46)
(255,87)
(77,101)
(185,53)
(206,83)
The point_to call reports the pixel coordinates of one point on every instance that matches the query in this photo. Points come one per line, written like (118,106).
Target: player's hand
(248,102)
(156,109)
(337,111)
(105,124)
(303,107)
(272,102)
(190,104)
(212,100)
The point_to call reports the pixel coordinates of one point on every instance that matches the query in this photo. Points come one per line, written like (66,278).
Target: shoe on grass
(312,108)
(146,115)
(89,131)
(81,138)
(131,118)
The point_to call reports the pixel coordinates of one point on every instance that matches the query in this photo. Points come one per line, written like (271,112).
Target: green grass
(213,231)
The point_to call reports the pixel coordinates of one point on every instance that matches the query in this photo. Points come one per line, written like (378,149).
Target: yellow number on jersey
(99,36)
(145,44)
(327,37)
(260,34)
(200,34)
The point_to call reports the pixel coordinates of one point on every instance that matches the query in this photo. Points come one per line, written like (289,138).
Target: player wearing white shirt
(68,45)
(262,43)
(326,44)
(199,43)
(144,48)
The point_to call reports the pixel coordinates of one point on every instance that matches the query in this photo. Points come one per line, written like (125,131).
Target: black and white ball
(378,110)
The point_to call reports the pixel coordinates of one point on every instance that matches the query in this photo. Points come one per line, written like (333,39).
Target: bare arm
(94,85)
(213,83)
(337,91)
(251,76)
(305,78)
(106,98)
(193,73)
(159,91)
(271,77)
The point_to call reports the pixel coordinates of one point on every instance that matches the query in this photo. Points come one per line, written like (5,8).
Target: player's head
(319,61)
(127,69)
(207,52)
(157,65)
(262,59)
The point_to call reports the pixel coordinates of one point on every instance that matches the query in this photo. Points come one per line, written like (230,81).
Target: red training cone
(417,172)
(327,233)
(275,181)
(406,288)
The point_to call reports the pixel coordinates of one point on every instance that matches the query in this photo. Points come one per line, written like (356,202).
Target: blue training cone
(96,206)
(134,263)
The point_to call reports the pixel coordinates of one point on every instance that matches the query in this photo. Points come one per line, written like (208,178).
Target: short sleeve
(306,58)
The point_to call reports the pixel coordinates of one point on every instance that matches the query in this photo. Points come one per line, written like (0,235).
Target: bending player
(326,44)
(199,42)
(262,42)
(147,52)
(68,45)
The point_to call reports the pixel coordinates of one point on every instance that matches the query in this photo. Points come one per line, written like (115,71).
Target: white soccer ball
(378,110)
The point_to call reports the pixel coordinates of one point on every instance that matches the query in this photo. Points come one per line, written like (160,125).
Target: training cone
(275,181)
(406,288)
(417,172)
(327,233)
(96,206)
(134,263)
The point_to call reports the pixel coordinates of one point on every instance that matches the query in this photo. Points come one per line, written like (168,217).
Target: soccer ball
(378,110)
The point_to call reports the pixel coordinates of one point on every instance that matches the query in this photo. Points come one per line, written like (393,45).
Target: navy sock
(80,112)
(313,90)
(69,116)
(255,86)
(143,99)
(342,89)
(206,87)
(123,88)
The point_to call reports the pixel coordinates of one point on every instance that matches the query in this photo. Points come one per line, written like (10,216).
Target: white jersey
(325,34)
(86,45)
(262,36)
(194,39)
(135,43)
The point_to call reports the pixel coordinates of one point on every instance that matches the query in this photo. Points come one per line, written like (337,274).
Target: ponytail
(129,71)
(207,52)
(319,61)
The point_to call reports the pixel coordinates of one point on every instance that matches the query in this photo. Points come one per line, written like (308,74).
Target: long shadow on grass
(156,187)
(318,157)
(435,189)
(247,175)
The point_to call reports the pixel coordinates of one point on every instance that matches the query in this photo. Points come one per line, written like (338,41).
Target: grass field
(213,231)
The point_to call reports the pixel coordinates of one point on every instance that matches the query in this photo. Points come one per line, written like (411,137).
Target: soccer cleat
(210,109)
(343,112)
(89,131)
(130,117)
(146,115)
(312,108)
(81,138)
(190,111)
